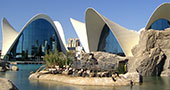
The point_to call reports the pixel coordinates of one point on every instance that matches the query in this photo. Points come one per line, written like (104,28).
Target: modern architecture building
(100,34)
(40,34)
(160,18)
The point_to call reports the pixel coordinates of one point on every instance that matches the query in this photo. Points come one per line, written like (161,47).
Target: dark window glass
(37,38)
(160,24)
(108,42)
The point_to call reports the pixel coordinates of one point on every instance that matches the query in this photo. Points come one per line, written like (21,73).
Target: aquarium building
(40,34)
(160,18)
(101,34)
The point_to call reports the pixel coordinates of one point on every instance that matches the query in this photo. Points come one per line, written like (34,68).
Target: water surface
(20,79)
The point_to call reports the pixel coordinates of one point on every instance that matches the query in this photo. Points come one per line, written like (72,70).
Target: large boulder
(152,54)
(149,64)
(134,76)
(6,84)
(34,76)
(14,68)
(99,60)
(3,66)
(2,69)
(165,73)
(107,61)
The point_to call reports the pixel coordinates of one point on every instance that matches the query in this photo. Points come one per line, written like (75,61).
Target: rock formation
(14,68)
(3,66)
(100,67)
(122,79)
(152,54)
(99,60)
(6,84)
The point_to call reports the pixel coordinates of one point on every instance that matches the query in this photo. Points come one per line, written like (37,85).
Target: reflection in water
(20,79)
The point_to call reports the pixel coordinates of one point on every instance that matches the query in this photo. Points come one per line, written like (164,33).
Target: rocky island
(150,58)
(96,68)
(152,54)
(6,84)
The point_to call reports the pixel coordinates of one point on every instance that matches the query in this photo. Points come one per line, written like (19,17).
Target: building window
(37,38)
(108,42)
(160,24)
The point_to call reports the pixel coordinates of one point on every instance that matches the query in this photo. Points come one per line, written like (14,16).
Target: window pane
(35,39)
(108,42)
(160,24)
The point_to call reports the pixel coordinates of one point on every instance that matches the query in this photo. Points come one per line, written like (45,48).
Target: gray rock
(3,66)
(104,74)
(34,76)
(80,72)
(6,84)
(14,68)
(70,71)
(2,69)
(166,73)
(99,61)
(152,54)
(65,72)
(92,74)
(75,73)
(99,74)
(88,71)
(57,67)
(134,76)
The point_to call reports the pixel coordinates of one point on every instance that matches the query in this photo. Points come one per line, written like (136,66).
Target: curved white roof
(57,27)
(80,29)
(9,35)
(61,33)
(162,12)
(94,24)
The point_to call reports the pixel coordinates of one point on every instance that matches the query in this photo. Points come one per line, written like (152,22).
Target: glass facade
(160,24)
(108,42)
(37,38)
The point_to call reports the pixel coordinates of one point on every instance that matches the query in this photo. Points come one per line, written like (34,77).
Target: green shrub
(52,59)
(69,58)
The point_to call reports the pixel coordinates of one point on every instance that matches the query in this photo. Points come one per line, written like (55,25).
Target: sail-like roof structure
(11,36)
(162,12)
(90,32)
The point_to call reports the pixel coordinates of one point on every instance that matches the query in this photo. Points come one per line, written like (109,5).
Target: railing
(26,62)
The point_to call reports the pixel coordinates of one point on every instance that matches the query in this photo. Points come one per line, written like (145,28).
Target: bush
(69,58)
(52,59)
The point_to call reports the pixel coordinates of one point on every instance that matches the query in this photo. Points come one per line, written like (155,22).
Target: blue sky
(131,14)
